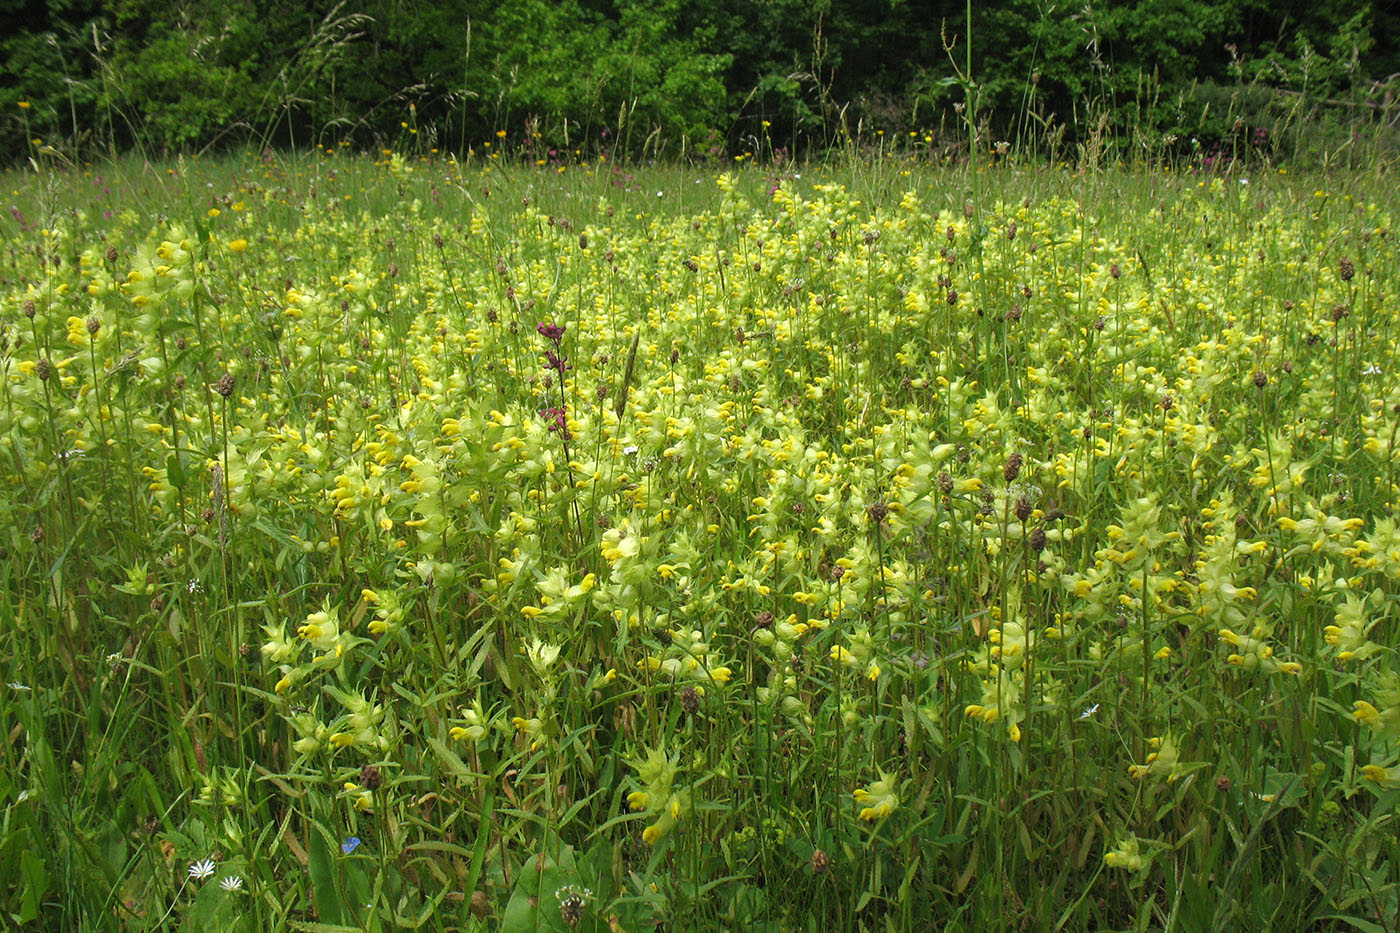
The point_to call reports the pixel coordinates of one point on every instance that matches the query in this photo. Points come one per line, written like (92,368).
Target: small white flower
(1089,712)
(232,883)
(23,688)
(202,869)
(660,194)
(1371,371)
(630,449)
(194,586)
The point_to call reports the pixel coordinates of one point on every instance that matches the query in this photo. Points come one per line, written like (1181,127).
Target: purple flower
(552,332)
(555,417)
(556,363)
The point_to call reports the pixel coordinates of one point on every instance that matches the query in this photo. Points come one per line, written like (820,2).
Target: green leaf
(1364,925)
(36,885)
(321,865)
(534,904)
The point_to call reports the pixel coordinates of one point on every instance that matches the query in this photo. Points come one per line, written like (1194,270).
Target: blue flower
(349,844)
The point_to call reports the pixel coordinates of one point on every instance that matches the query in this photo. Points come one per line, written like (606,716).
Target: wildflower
(879,797)
(1255,654)
(201,869)
(572,902)
(360,798)
(1127,855)
(475,728)
(388,612)
(1349,632)
(550,332)
(657,773)
(232,883)
(542,656)
(1164,762)
(532,729)
(350,844)
(1389,778)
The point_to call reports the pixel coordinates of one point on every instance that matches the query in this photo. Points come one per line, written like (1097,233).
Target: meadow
(392,543)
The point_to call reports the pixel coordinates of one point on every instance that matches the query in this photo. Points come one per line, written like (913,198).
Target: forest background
(572,79)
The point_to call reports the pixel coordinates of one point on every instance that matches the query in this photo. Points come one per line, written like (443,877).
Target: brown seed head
(371,778)
(1012,468)
(225,385)
(571,909)
(1023,509)
(877,511)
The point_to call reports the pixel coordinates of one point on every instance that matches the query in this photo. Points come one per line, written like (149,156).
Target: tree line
(571,78)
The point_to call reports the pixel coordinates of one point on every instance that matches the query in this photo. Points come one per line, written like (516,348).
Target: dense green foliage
(688,79)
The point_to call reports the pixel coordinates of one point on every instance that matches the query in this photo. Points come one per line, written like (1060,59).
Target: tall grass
(584,546)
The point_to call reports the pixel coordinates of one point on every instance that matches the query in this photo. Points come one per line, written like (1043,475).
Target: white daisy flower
(202,869)
(232,883)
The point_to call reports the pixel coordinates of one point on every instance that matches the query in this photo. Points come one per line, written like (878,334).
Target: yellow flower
(24,105)
(880,798)
(1389,778)
(238,245)
(361,798)
(1126,856)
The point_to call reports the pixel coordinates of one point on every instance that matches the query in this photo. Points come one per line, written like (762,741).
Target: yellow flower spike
(1127,856)
(880,798)
(1389,778)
